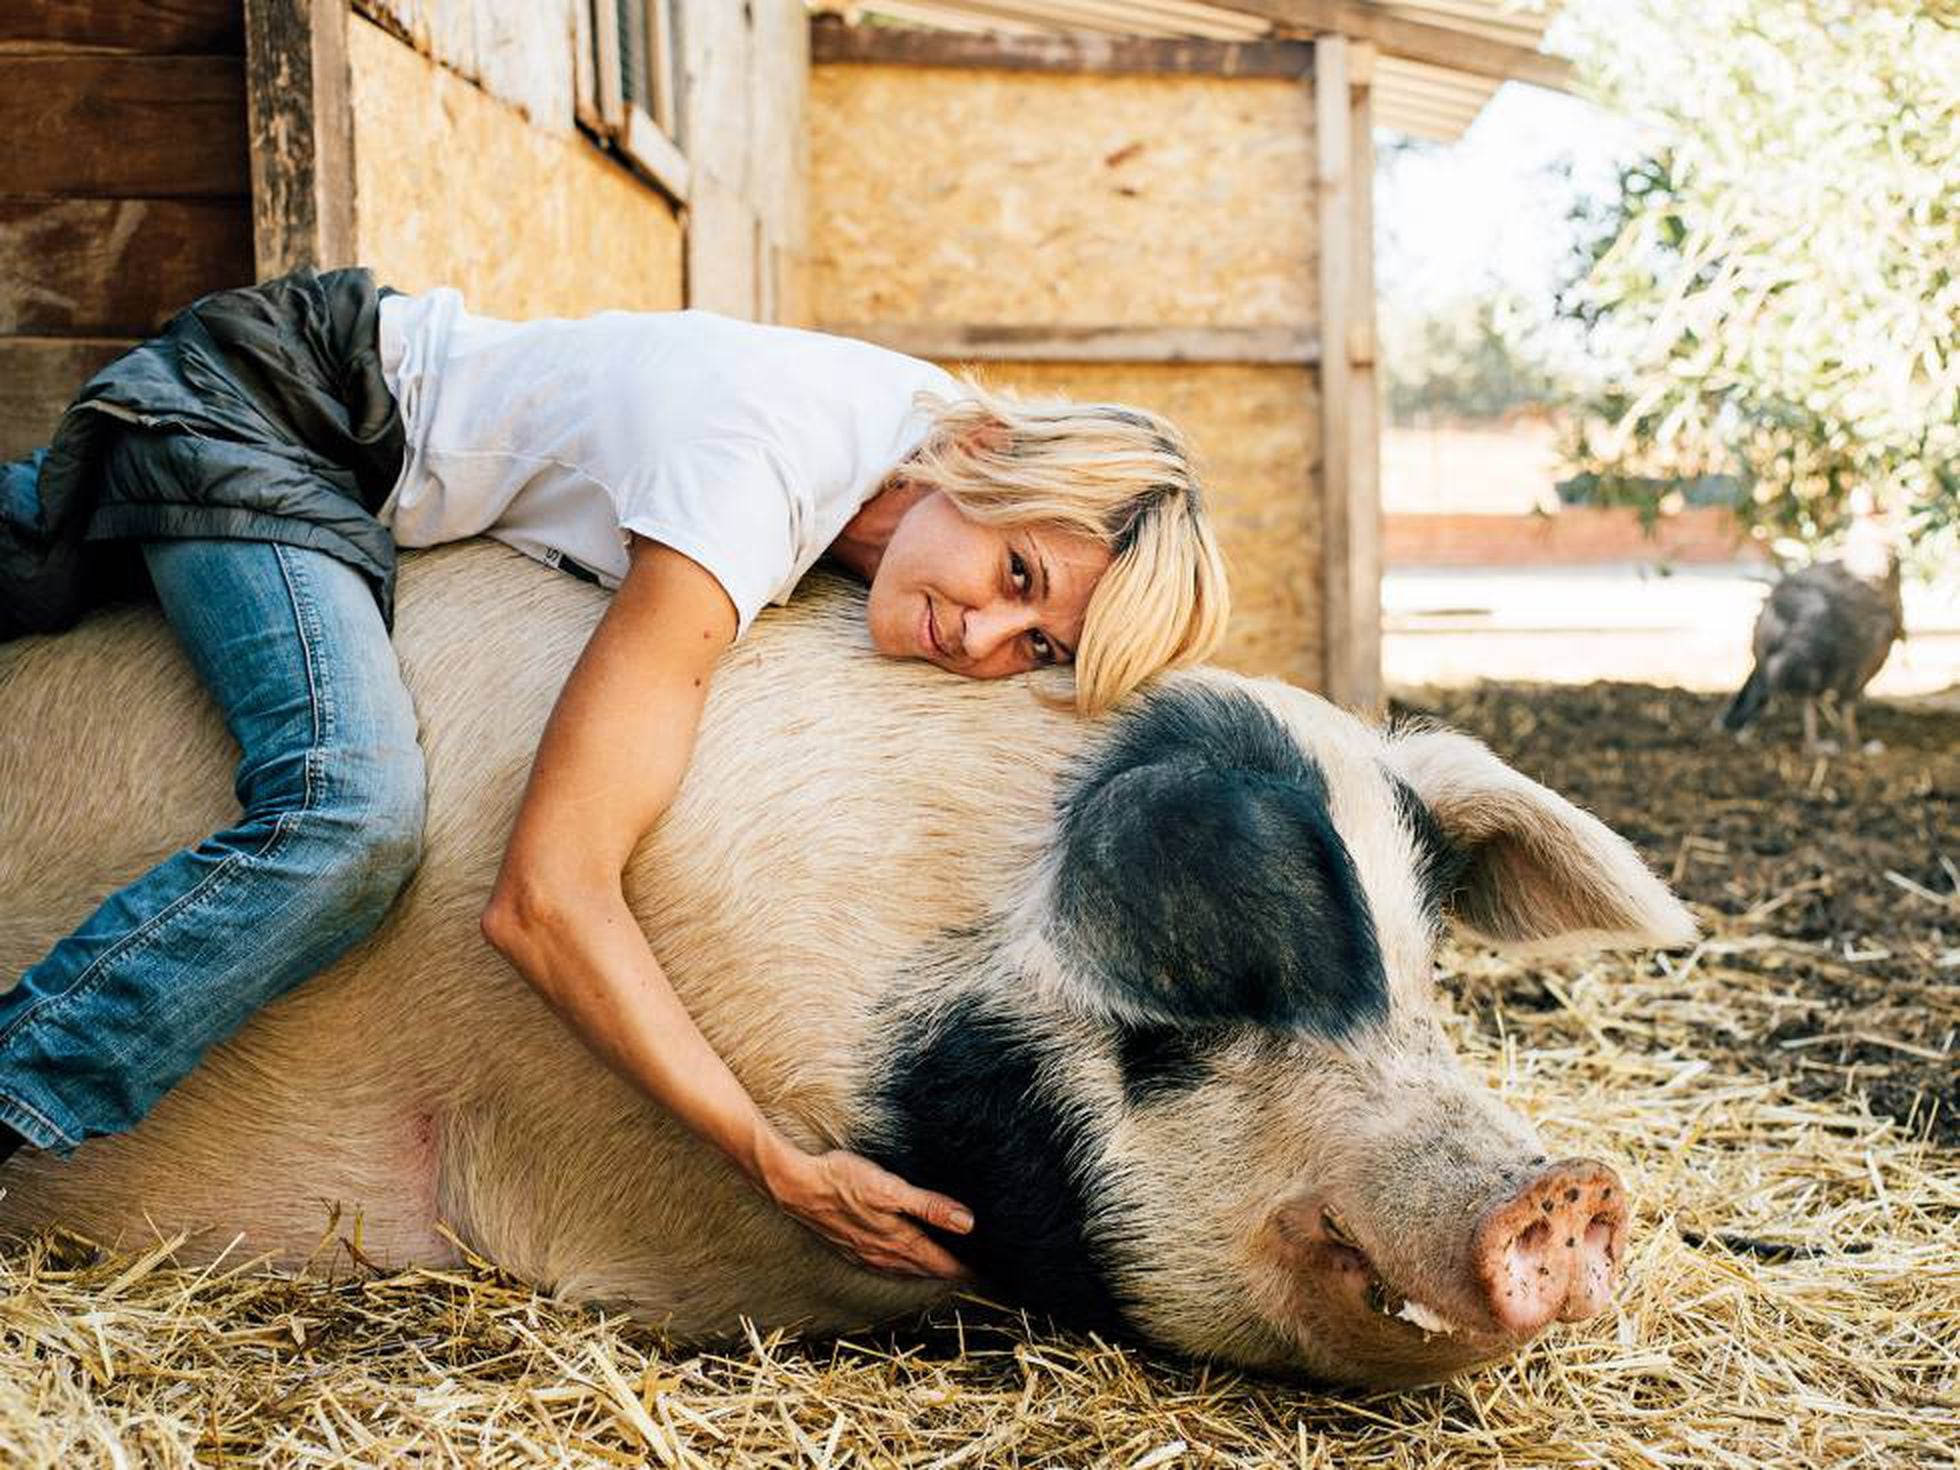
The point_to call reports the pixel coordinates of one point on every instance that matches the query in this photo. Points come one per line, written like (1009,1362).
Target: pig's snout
(1553,1247)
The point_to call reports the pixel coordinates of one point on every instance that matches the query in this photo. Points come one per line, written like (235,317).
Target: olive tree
(1776,287)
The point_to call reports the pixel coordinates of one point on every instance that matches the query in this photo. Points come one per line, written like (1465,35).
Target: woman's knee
(367,829)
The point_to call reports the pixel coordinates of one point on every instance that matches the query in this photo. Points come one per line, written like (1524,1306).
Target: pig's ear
(1192,896)
(1536,870)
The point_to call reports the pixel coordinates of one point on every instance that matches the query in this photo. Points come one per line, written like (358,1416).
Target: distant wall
(944,197)
(1567,536)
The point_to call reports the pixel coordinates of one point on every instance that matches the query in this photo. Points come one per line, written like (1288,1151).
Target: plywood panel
(1252,430)
(39,376)
(115,267)
(454,188)
(519,51)
(122,125)
(985,196)
(155,27)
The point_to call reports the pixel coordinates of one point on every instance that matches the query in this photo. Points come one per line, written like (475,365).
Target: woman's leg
(291,646)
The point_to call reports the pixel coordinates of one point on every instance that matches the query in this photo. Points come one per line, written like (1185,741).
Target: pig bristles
(1847,1352)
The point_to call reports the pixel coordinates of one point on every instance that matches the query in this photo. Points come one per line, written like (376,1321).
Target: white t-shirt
(745,447)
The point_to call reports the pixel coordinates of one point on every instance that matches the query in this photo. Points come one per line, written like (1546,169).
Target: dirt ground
(1850,864)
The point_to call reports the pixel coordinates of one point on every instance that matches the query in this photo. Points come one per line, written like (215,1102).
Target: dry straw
(1794,1300)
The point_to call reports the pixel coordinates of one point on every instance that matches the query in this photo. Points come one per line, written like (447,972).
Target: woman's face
(982,601)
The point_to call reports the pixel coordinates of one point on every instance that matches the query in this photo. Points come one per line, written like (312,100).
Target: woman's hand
(868,1212)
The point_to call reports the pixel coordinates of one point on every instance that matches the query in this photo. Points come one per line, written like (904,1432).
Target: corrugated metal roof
(1423,100)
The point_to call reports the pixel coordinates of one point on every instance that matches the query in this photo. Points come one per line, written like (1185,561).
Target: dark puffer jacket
(259,413)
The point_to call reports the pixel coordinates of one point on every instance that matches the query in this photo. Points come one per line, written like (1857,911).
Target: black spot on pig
(964,1107)
(1161,1062)
(1202,881)
(1440,863)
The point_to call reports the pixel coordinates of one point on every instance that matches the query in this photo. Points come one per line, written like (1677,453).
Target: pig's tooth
(1425,1318)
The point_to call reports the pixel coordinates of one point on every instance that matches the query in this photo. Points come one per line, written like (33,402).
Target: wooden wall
(745,103)
(455,186)
(471,169)
(124,185)
(1149,237)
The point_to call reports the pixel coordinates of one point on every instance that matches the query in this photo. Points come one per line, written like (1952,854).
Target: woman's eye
(1044,651)
(1017,569)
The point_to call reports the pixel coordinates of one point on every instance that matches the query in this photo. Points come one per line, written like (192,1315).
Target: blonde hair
(1120,475)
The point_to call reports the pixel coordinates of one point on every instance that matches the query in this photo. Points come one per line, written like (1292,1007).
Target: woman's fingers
(927,1257)
(869,1213)
(905,1251)
(936,1210)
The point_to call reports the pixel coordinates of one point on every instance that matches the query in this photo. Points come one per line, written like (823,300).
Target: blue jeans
(330,781)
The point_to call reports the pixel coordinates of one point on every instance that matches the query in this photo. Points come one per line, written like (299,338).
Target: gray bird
(1826,630)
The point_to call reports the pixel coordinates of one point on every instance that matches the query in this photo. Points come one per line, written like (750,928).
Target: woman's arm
(611,758)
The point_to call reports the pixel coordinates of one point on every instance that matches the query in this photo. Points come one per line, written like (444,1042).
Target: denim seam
(320,693)
(13,1110)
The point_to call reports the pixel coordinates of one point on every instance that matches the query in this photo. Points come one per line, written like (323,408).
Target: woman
(267,452)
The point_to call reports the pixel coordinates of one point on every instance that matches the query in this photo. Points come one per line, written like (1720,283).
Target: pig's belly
(400,1113)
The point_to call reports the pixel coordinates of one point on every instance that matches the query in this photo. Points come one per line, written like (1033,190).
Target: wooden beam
(1018,342)
(39,377)
(834,42)
(115,267)
(302,134)
(161,126)
(1413,40)
(153,27)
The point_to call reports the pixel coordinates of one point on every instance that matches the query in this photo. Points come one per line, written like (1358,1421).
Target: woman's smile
(929,643)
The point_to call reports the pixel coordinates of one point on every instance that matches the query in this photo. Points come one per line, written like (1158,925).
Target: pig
(1153,993)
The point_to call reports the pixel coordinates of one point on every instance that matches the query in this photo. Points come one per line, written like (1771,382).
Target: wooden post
(301,127)
(1364,558)
(1349,419)
(1333,197)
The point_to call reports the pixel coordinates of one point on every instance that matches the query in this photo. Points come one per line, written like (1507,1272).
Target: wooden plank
(152,27)
(302,134)
(1044,342)
(655,154)
(114,267)
(39,377)
(1334,202)
(122,125)
(834,42)
(1416,40)
(1363,633)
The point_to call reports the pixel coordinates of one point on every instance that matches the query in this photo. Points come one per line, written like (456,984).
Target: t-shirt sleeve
(724,504)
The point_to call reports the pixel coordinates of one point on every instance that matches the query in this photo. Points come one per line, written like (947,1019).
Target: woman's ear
(988,437)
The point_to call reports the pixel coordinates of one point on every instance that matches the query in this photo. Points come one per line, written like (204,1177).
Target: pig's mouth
(1550,1248)
(1350,1258)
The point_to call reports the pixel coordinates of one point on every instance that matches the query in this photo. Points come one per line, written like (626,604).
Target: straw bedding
(1781,1100)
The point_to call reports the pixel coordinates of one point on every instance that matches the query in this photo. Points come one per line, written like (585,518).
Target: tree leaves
(1781,276)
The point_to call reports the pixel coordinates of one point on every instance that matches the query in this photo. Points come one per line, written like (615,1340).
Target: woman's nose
(985,630)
